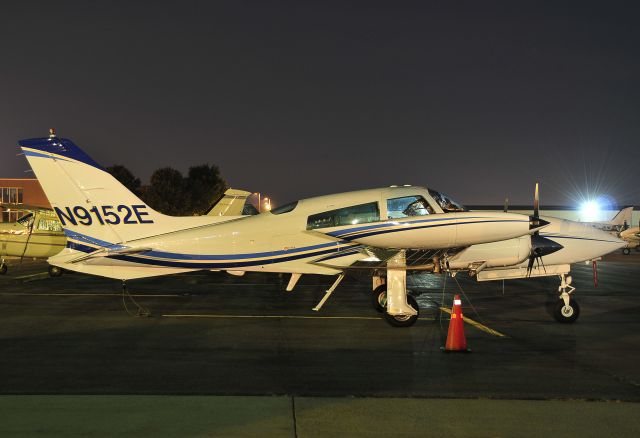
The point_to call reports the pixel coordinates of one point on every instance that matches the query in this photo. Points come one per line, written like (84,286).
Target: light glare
(589,211)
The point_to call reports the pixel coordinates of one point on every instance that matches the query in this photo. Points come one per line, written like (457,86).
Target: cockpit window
(26,220)
(408,206)
(447,204)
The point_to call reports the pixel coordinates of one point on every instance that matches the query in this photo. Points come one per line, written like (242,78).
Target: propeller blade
(530,265)
(536,203)
(595,274)
(506,205)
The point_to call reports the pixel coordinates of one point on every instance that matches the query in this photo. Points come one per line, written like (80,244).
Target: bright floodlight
(589,211)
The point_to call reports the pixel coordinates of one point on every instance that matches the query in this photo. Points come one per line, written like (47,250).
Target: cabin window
(357,214)
(49,225)
(408,206)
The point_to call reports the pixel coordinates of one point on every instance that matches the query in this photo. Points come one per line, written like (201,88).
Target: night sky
(477,99)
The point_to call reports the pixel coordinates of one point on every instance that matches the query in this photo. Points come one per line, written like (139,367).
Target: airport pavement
(217,334)
(282,416)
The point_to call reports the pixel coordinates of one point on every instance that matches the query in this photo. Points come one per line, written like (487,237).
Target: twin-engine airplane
(387,232)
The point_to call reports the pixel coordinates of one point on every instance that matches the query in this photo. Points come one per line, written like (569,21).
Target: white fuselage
(283,243)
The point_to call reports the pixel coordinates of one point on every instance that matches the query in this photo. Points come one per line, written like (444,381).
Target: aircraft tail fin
(622,217)
(95,209)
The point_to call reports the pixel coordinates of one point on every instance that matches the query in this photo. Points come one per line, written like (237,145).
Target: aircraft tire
(379,298)
(3,269)
(626,251)
(566,315)
(638,248)
(404,321)
(55,271)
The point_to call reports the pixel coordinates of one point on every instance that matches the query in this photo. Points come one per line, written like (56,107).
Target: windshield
(408,206)
(447,204)
(25,220)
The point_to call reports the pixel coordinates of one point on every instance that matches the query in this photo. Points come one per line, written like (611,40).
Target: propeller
(540,246)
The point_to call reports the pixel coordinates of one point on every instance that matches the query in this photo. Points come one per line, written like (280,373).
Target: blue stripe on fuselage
(188,265)
(375,233)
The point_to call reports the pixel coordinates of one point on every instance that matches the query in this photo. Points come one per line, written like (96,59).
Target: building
(15,192)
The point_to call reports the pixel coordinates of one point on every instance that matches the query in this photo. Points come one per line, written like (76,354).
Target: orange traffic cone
(456,340)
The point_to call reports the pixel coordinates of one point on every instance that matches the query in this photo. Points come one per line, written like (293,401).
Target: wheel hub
(567,311)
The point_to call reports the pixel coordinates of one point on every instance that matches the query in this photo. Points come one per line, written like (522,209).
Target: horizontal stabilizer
(106,252)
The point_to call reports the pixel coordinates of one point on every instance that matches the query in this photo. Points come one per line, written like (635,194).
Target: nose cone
(599,242)
(609,241)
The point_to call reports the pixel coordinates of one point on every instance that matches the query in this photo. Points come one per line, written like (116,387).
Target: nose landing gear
(566,310)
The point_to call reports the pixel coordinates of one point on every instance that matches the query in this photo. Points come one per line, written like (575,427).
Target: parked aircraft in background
(620,222)
(35,235)
(233,203)
(632,237)
(386,231)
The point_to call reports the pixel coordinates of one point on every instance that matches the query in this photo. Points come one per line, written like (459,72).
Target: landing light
(589,211)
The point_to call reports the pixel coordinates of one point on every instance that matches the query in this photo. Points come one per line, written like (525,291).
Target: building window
(357,214)
(11,195)
(11,215)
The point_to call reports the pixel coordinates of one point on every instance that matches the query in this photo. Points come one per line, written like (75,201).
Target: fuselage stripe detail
(202,265)
(340,233)
(554,236)
(375,233)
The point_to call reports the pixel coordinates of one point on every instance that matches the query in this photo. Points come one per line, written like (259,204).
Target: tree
(204,185)
(125,177)
(167,192)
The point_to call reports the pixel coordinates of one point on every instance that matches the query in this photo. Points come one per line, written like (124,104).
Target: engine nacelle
(491,255)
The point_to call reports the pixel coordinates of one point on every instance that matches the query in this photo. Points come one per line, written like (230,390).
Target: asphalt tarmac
(211,354)
(214,333)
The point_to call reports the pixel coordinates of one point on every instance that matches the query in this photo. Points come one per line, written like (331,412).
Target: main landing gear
(3,267)
(626,251)
(390,296)
(566,309)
